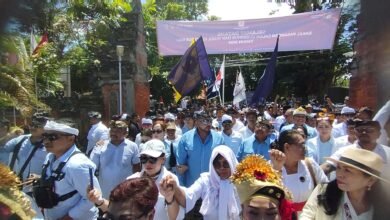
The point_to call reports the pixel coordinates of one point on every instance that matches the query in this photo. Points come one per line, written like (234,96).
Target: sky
(247,9)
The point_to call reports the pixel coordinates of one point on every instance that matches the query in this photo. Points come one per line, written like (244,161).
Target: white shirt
(245,132)
(302,190)
(341,142)
(238,125)
(347,207)
(339,130)
(114,163)
(97,132)
(233,141)
(279,121)
(161,212)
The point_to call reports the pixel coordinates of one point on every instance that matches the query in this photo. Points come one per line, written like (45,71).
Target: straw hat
(254,177)
(363,160)
(299,111)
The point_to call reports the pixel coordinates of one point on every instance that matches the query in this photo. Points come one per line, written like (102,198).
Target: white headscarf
(382,116)
(222,194)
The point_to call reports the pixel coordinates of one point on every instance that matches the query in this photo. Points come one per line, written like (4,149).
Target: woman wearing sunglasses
(152,158)
(220,198)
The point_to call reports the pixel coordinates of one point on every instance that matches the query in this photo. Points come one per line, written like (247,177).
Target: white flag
(239,90)
(33,43)
(220,76)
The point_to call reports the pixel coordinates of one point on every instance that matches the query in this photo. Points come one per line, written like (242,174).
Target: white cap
(347,110)
(153,148)
(54,126)
(226,118)
(146,121)
(169,116)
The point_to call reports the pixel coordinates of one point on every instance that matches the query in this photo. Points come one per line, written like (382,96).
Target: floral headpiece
(12,201)
(255,176)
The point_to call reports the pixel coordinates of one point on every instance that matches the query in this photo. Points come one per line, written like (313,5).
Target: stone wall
(370,84)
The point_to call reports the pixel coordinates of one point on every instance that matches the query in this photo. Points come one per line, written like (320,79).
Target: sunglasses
(157,131)
(366,130)
(227,122)
(145,159)
(53,136)
(205,121)
(218,165)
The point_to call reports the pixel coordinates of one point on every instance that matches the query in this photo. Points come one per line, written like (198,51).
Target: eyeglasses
(157,131)
(218,165)
(365,130)
(145,159)
(53,136)
(205,121)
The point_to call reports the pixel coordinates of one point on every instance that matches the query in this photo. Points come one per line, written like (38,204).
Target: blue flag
(192,69)
(266,81)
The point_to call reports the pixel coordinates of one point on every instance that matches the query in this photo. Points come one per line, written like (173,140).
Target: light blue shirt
(311,132)
(76,177)
(252,146)
(36,162)
(115,163)
(317,149)
(196,154)
(233,141)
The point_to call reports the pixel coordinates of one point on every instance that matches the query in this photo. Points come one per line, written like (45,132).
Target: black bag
(44,188)
(44,193)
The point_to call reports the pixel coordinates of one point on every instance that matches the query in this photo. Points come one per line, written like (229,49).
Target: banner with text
(304,31)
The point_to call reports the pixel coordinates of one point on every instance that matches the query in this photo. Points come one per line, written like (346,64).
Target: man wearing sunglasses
(116,159)
(340,129)
(194,153)
(27,151)
(69,168)
(367,133)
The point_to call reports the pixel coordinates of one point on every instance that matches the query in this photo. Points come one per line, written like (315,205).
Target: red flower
(260,175)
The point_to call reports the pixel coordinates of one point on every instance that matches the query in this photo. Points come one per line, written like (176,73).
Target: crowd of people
(207,162)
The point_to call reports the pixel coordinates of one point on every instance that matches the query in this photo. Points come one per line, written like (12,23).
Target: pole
(120,84)
(219,94)
(223,83)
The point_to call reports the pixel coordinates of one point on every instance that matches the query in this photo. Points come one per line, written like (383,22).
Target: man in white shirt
(251,117)
(116,159)
(232,139)
(367,133)
(340,129)
(98,131)
(237,124)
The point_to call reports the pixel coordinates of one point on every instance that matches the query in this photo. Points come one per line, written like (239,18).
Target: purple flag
(266,81)
(192,68)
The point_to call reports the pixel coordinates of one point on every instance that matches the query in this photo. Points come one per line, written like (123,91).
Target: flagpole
(239,67)
(219,94)
(223,83)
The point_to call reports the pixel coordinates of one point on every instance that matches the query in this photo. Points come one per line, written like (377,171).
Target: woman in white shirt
(220,198)
(152,158)
(300,175)
(356,194)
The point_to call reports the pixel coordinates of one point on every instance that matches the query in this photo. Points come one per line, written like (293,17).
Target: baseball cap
(153,148)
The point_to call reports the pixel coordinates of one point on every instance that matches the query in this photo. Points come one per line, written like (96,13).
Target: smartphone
(91,177)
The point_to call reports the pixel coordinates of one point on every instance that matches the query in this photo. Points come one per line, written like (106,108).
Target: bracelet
(97,205)
(169,203)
